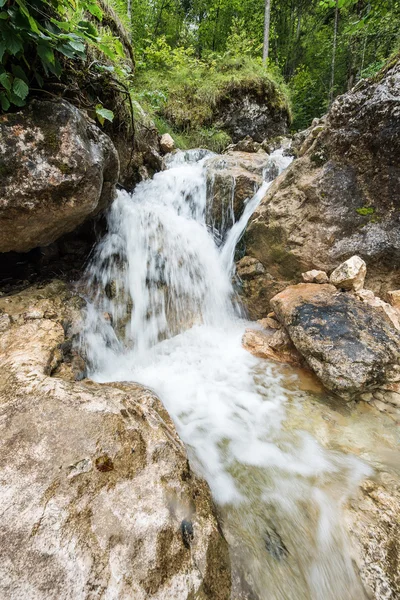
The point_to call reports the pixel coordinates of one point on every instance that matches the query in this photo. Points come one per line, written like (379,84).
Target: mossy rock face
(256,108)
(57,169)
(340,198)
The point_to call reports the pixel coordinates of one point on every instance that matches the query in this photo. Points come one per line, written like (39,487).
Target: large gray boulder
(256,108)
(339,199)
(97,495)
(352,347)
(57,168)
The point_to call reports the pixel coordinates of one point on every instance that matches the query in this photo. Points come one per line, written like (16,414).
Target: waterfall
(161,312)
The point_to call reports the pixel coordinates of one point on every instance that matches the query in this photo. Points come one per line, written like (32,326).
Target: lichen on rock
(57,169)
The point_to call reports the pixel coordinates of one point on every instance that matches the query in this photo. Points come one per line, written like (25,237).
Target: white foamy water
(162,313)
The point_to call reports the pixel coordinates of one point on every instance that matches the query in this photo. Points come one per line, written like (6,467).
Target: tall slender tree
(335,31)
(267,15)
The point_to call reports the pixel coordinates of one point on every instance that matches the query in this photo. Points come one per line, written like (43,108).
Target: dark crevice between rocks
(64,259)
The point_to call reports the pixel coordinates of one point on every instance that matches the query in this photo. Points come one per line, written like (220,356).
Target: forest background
(174,57)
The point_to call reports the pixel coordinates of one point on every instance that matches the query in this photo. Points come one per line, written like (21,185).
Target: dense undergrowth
(179,61)
(181,92)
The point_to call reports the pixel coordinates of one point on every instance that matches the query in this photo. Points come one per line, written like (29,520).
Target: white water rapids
(163,312)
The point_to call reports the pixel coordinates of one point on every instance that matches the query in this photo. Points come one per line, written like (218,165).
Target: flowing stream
(163,312)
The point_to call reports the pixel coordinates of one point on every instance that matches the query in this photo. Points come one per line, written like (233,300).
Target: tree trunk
(266,30)
(332,86)
(129,13)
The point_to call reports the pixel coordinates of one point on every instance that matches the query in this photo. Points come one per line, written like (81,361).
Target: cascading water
(162,313)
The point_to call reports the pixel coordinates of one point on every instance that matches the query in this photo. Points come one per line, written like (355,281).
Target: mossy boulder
(57,169)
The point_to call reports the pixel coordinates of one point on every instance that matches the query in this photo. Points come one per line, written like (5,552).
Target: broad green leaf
(104,114)
(12,41)
(20,88)
(2,3)
(19,72)
(3,15)
(119,48)
(95,10)
(77,45)
(66,50)
(4,101)
(88,28)
(64,25)
(39,78)
(46,53)
(2,50)
(5,81)
(105,48)
(16,100)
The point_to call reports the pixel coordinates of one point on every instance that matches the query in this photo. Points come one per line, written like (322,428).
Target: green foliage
(103,114)
(301,41)
(38,37)
(184,90)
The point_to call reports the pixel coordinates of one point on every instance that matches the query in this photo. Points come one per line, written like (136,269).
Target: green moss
(365,211)
(187,96)
(319,156)
(65,168)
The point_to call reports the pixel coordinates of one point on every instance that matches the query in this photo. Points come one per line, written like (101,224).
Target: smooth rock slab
(97,495)
(350,345)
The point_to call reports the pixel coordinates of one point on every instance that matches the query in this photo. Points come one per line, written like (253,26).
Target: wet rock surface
(351,346)
(370,517)
(96,483)
(232,179)
(340,197)
(272,342)
(57,170)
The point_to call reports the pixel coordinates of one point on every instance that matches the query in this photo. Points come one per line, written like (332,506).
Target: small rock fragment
(269,323)
(369,297)
(315,276)
(167,143)
(249,267)
(277,347)
(350,275)
(5,322)
(394,298)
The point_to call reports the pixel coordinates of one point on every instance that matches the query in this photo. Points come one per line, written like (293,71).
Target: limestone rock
(167,143)
(99,495)
(350,345)
(394,298)
(350,275)
(247,267)
(369,297)
(231,180)
(315,276)
(340,198)
(277,347)
(269,323)
(57,169)
(257,109)
(245,145)
(373,524)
